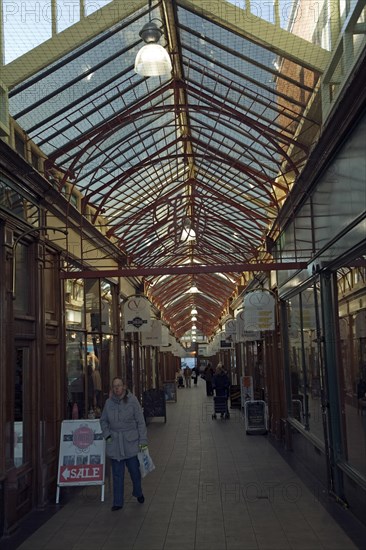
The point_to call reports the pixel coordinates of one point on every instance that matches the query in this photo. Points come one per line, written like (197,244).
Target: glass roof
(220,142)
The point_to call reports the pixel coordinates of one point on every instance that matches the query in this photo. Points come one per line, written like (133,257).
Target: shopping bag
(146,462)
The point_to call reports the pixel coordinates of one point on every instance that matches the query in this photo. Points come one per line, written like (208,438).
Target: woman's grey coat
(124,422)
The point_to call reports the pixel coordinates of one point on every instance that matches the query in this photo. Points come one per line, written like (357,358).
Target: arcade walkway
(214,488)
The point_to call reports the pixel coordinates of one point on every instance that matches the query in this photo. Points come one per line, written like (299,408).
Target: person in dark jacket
(221,381)
(124,429)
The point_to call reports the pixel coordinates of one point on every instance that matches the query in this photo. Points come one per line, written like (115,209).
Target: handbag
(146,462)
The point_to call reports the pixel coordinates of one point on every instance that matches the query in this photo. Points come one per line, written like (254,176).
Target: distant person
(124,429)
(208,376)
(188,377)
(195,375)
(179,378)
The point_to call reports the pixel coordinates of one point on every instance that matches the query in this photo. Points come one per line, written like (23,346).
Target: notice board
(255,417)
(82,455)
(154,403)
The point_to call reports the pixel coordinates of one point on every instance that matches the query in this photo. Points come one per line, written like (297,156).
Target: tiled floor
(214,488)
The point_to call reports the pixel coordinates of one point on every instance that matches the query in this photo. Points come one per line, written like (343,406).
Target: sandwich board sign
(256,417)
(82,455)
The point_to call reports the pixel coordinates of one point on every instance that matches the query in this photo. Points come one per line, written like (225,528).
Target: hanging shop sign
(175,346)
(82,455)
(230,330)
(243,335)
(165,336)
(216,343)
(225,342)
(259,310)
(137,314)
(153,337)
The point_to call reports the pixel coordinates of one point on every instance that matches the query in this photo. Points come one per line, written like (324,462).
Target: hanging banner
(243,335)
(153,337)
(137,314)
(230,330)
(82,454)
(259,310)
(225,342)
(174,346)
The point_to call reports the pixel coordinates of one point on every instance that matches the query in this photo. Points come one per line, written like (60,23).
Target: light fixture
(194,327)
(188,233)
(194,311)
(152,59)
(193,318)
(193,289)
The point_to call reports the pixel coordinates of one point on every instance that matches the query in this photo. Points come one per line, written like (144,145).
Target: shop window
(74,304)
(76,368)
(90,352)
(305,361)
(92,304)
(21,414)
(353,380)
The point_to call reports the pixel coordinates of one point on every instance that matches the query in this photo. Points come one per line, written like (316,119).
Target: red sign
(83,437)
(81,473)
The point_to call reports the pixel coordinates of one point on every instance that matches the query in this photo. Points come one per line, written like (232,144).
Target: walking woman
(124,429)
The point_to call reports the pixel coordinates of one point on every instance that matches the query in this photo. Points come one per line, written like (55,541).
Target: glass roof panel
(218,144)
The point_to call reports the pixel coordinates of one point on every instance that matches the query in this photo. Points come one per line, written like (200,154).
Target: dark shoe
(141,499)
(115,508)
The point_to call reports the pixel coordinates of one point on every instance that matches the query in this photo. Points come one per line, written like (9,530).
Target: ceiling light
(194,311)
(193,289)
(188,233)
(193,318)
(194,327)
(152,59)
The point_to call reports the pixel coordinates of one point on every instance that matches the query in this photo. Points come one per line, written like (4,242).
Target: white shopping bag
(146,463)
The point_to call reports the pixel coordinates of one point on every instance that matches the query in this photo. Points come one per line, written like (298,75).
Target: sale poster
(82,453)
